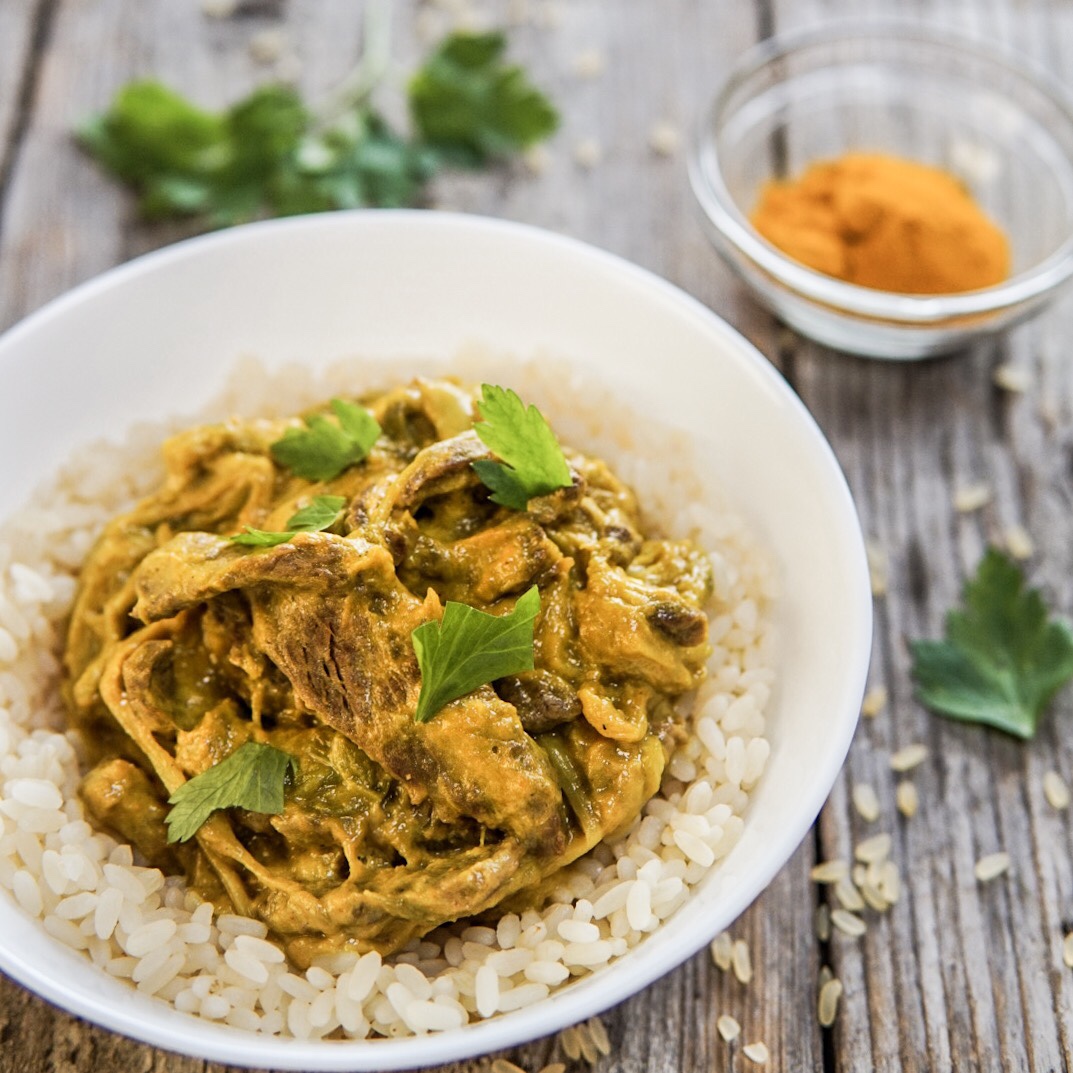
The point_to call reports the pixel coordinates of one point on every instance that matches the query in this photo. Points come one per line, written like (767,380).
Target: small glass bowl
(883,86)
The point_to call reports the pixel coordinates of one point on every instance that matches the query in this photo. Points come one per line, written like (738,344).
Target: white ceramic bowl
(155,337)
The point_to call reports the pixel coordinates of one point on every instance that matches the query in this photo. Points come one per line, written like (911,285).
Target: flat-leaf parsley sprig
(324,448)
(469,648)
(322,513)
(252,777)
(532,463)
(471,107)
(272,155)
(1002,658)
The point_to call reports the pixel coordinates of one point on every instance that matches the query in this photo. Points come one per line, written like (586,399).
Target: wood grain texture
(958,975)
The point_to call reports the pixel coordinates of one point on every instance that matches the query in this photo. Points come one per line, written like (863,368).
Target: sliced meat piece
(542,700)
(617,633)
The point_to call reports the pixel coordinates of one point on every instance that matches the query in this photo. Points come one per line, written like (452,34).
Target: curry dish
(182,646)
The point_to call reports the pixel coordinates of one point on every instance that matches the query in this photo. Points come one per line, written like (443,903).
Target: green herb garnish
(252,778)
(468,648)
(471,106)
(272,155)
(324,448)
(1001,660)
(323,512)
(532,460)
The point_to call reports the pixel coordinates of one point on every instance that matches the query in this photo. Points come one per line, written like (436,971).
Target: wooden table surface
(959,975)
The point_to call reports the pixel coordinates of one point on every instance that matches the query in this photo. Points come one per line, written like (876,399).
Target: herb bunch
(271,155)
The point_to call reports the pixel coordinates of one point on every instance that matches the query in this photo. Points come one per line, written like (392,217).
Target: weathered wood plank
(21,32)
(959,975)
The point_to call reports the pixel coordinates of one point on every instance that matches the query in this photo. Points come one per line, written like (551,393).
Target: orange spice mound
(884,222)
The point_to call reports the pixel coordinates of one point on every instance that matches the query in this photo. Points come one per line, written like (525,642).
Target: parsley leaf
(322,450)
(1002,659)
(228,167)
(321,513)
(532,460)
(252,778)
(471,106)
(468,648)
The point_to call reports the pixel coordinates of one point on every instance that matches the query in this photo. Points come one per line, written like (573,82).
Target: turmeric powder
(884,222)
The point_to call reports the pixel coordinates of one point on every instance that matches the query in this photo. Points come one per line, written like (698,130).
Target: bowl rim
(729,222)
(222,1043)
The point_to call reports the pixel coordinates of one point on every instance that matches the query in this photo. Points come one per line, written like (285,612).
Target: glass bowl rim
(723,214)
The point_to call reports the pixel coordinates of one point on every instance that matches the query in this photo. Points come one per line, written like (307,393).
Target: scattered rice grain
(890,882)
(866,802)
(570,1043)
(1067,950)
(588,153)
(268,45)
(875,700)
(664,138)
(590,63)
(756,1052)
(878,568)
(909,757)
(742,962)
(537,159)
(722,950)
(829,871)
(1012,378)
(991,866)
(971,497)
(830,993)
(219,9)
(876,848)
(907,798)
(598,1031)
(848,895)
(823,922)
(848,923)
(1018,542)
(729,1028)
(1055,790)
(588,1047)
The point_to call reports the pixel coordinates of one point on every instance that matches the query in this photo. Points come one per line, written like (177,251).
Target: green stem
(356,88)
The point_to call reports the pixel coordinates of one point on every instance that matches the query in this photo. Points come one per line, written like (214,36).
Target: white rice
(139,925)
